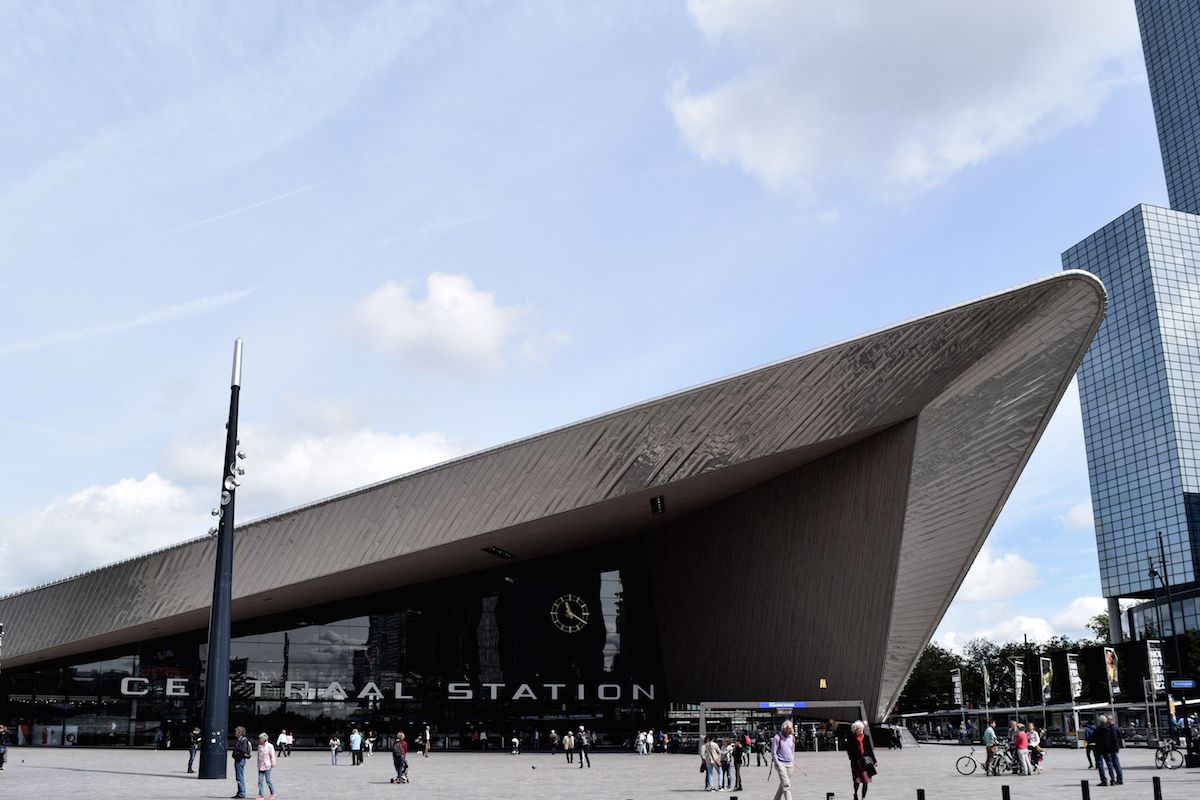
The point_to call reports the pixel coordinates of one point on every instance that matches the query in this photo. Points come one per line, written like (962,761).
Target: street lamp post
(213,760)
(1165,578)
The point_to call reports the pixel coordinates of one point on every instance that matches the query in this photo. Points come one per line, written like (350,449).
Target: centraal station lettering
(305,690)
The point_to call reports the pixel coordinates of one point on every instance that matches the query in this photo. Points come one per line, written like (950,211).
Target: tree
(929,685)
(1099,627)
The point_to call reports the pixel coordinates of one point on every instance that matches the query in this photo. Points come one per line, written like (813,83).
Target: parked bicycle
(1168,755)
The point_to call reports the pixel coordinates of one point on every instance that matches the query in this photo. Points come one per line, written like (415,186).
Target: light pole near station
(213,759)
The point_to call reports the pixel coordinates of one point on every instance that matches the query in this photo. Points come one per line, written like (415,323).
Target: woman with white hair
(266,761)
(862,757)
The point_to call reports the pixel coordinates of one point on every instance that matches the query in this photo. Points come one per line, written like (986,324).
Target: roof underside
(981,380)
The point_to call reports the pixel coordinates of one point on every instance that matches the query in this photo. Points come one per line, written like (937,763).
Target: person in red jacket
(400,758)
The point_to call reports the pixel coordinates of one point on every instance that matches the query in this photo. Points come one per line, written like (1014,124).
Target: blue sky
(440,227)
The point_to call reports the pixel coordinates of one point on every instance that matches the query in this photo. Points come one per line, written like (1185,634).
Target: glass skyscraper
(1140,381)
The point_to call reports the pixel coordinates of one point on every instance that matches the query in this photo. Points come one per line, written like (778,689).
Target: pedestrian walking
(783,753)
(266,761)
(335,744)
(193,745)
(355,747)
(584,744)
(553,742)
(1088,732)
(3,745)
(1108,742)
(426,743)
(241,753)
(862,758)
(281,743)
(569,746)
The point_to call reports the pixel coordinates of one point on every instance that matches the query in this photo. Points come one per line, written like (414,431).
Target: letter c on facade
(128,690)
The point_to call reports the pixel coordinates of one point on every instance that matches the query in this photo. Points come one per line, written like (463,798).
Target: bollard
(829,796)
(1085,789)
(1157,788)
(920,794)
(1004,792)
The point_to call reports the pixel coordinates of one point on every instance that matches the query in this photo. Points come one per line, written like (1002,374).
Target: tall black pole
(213,758)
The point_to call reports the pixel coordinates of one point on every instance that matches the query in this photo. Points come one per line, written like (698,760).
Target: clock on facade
(569,613)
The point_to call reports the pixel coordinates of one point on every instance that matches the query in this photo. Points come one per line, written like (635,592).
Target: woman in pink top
(266,760)
(1022,744)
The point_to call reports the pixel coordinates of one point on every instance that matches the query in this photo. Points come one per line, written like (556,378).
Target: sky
(440,227)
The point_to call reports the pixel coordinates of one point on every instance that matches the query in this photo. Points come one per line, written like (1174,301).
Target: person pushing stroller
(400,759)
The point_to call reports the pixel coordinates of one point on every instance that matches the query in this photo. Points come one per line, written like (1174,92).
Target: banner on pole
(1018,681)
(1112,668)
(956,678)
(1158,682)
(1047,669)
(1073,675)
(987,686)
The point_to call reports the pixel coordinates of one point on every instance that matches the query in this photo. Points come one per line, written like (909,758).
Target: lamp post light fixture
(215,728)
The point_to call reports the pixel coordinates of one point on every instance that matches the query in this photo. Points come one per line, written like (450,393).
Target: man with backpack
(241,753)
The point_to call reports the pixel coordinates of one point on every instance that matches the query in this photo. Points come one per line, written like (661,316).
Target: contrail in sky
(191,308)
(241,210)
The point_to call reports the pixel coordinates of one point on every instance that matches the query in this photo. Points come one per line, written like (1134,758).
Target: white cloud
(997,577)
(285,468)
(898,96)
(1073,619)
(94,526)
(1013,629)
(1079,517)
(454,328)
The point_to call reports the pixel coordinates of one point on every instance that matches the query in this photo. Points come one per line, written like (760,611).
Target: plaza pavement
(118,774)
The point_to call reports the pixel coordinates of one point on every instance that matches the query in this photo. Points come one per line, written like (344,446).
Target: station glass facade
(541,645)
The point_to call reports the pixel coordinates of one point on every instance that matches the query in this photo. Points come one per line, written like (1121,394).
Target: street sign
(783,704)
(1189,684)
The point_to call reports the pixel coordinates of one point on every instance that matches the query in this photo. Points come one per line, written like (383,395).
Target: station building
(736,542)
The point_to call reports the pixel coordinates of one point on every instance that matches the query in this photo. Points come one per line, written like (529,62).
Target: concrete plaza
(34,772)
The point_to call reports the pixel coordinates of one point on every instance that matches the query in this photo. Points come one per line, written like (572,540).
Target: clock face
(569,613)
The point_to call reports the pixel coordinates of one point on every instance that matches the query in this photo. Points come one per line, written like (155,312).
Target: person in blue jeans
(1107,740)
(193,746)
(241,753)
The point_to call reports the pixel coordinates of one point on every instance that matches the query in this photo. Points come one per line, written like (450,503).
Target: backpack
(241,749)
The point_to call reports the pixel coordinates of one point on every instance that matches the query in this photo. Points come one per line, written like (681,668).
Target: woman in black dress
(862,758)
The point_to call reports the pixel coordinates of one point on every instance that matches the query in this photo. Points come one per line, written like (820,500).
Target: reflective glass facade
(478,658)
(1139,386)
(1171,43)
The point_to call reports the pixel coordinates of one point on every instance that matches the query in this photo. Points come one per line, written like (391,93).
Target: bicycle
(966,765)
(1168,755)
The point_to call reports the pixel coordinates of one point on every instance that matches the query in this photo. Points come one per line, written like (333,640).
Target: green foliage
(1099,627)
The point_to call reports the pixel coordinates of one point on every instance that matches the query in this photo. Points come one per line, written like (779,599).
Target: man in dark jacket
(1107,741)
(241,754)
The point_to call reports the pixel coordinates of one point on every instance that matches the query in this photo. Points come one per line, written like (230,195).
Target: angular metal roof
(981,380)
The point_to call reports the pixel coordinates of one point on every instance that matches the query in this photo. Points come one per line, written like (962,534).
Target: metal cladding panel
(763,594)
(981,379)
